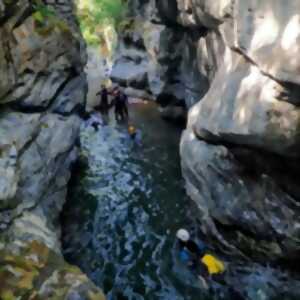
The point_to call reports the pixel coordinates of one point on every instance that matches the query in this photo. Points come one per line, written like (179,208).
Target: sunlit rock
(244,107)
(268,33)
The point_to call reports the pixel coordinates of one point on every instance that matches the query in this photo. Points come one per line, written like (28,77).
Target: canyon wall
(160,59)
(235,64)
(42,88)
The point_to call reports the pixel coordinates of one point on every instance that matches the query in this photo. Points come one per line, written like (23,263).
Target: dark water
(124,209)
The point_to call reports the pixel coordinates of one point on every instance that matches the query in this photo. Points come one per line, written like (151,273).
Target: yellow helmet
(131,129)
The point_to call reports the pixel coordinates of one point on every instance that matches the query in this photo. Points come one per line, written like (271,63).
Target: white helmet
(183,235)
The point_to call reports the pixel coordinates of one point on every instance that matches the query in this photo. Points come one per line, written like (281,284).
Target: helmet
(183,235)
(131,129)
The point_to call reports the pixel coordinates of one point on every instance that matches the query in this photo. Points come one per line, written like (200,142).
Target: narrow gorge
(87,211)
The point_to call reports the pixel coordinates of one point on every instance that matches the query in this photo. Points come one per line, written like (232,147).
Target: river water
(124,208)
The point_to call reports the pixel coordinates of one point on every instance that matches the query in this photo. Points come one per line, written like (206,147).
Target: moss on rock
(36,272)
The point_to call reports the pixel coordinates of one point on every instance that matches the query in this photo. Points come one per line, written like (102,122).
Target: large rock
(159,55)
(248,197)
(268,33)
(42,85)
(247,211)
(172,48)
(245,107)
(40,54)
(147,60)
(210,14)
(9,175)
(16,131)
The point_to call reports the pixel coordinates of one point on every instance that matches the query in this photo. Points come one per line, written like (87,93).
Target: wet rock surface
(241,137)
(42,85)
(152,61)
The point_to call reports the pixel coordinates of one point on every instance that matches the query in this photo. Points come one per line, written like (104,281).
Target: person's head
(183,235)
(131,129)
(103,86)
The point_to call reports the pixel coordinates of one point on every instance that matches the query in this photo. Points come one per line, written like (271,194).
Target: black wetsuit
(196,252)
(192,247)
(121,110)
(104,101)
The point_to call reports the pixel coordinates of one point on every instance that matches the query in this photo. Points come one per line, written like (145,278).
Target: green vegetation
(46,20)
(35,272)
(96,15)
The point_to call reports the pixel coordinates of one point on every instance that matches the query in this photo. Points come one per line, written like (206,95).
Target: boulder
(247,198)
(35,271)
(245,107)
(268,34)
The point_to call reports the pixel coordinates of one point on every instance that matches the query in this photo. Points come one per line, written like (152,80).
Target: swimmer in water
(132,131)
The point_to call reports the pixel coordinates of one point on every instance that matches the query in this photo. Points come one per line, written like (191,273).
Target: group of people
(119,102)
(193,254)
(190,252)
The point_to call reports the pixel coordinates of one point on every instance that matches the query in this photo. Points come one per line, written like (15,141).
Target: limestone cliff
(237,60)
(159,58)
(42,85)
(246,127)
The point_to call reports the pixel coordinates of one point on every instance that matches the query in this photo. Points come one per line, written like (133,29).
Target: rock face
(42,86)
(237,62)
(164,53)
(240,152)
(157,55)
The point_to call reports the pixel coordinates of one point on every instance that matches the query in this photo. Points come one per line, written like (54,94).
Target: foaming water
(124,209)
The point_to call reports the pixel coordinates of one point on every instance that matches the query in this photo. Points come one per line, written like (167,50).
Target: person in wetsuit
(206,265)
(189,250)
(121,106)
(103,107)
(197,257)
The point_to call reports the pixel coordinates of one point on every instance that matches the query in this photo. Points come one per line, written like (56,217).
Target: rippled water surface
(125,207)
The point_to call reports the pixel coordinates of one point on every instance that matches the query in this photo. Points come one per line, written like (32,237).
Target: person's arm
(112,103)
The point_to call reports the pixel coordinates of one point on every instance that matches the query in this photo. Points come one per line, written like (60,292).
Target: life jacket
(185,256)
(214,265)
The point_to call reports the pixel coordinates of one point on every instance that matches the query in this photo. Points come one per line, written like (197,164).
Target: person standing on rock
(121,106)
(103,106)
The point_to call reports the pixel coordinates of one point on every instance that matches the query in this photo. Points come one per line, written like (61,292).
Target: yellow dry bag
(213,265)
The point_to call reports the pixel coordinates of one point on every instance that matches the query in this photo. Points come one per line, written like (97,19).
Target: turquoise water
(124,208)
